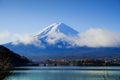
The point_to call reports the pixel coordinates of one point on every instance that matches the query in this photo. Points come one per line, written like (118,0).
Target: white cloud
(94,37)
(97,38)
(18,38)
(5,37)
(26,39)
(54,37)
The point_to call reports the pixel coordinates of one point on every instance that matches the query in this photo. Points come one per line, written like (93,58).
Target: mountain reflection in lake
(65,73)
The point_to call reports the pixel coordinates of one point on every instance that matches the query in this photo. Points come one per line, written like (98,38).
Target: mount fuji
(56,35)
(56,42)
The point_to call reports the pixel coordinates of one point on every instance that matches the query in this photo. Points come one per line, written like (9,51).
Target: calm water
(65,73)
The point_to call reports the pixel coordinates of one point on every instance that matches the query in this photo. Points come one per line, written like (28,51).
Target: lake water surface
(65,73)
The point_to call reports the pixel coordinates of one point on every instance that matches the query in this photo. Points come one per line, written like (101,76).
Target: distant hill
(8,57)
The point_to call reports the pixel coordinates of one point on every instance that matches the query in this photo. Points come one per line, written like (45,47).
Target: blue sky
(30,16)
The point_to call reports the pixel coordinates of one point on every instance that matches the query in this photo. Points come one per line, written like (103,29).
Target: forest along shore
(80,62)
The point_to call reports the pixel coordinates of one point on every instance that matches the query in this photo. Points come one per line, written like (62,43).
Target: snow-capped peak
(57,28)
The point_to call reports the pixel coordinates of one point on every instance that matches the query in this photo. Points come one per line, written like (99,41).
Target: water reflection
(65,73)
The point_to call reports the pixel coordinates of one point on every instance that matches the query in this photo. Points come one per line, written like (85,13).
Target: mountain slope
(8,57)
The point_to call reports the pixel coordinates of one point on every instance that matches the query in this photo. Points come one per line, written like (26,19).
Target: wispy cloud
(55,37)
(97,38)
(4,37)
(25,39)
(18,38)
(93,37)
(4,34)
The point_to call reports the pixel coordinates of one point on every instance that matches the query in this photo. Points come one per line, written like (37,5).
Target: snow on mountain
(57,28)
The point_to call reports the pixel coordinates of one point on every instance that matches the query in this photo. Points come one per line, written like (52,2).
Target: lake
(65,73)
